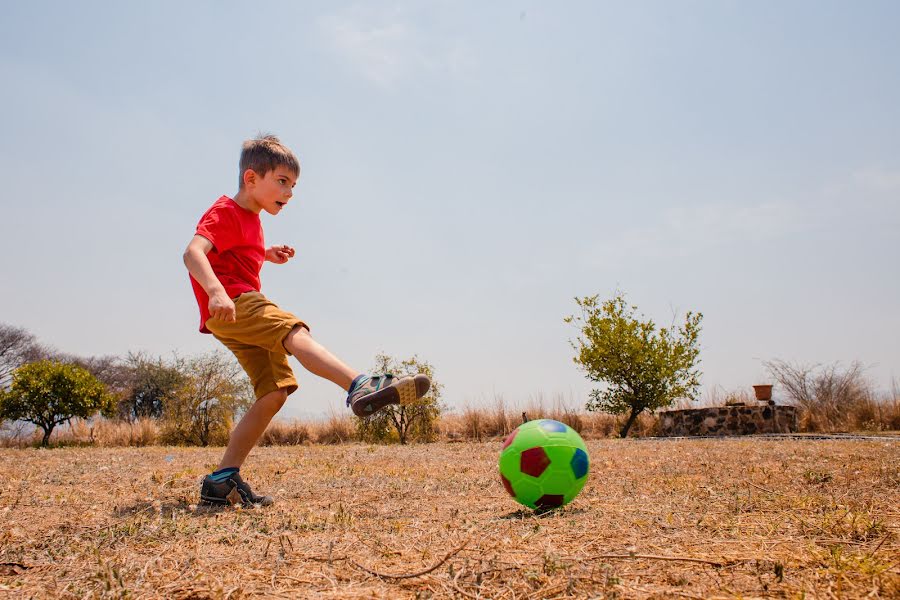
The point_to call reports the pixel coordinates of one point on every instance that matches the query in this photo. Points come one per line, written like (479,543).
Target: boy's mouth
(280,204)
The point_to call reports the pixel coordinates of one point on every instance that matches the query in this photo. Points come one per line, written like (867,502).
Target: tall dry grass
(106,433)
(287,433)
(498,418)
(336,429)
(864,412)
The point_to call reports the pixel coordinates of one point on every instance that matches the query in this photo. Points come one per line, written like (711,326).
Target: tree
(48,393)
(17,347)
(213,392)
(109,370)
(140,384)
(642,367)
(827,394)
(414,421)
(153,384)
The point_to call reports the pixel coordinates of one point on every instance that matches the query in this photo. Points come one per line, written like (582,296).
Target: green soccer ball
(544,464)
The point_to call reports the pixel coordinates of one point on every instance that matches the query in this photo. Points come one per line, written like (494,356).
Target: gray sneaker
(233,490)
(371,394)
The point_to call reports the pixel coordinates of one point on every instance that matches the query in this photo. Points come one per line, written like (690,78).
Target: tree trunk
(404,429)
(634,413)
(47,431)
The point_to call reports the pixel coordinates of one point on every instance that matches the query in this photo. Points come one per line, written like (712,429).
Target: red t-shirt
(238,251)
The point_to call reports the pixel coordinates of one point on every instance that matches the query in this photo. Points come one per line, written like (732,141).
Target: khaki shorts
(256,338)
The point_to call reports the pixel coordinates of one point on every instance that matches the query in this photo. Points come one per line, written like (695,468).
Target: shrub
(215,391)
(403,423)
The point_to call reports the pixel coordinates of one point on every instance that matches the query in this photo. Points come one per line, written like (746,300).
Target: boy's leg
(316,359)
(225,485)
(250,428)
(368,394)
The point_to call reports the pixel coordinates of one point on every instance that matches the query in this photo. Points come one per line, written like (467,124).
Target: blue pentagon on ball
(552,426)
(579,463)
(544,464)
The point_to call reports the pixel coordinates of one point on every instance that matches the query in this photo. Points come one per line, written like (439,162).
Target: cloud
(688,230)
(866,196)
(386,47)
(878,179)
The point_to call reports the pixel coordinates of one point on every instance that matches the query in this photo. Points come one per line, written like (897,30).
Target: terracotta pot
(763,392)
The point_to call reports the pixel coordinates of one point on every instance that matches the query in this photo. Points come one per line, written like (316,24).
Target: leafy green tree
(416,421)
(214,391)
(48,393)
(151,384)
(642,367)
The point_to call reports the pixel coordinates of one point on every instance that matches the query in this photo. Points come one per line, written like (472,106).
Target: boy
(224,259)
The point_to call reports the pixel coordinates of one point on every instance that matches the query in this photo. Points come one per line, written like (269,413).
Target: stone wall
(729,420)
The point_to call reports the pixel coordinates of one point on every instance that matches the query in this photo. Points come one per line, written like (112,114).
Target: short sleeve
(218,225)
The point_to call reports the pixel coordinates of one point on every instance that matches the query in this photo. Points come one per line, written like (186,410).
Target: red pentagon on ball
(510,438)
(548,501)
(534,461)
(508,486)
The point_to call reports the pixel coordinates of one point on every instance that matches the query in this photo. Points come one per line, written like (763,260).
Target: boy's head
(265,153)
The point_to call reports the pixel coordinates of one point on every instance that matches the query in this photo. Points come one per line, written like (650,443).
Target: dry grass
(657,519)
(99,432)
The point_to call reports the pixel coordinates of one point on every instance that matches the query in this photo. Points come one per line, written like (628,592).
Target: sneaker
(233,490)
(372,394)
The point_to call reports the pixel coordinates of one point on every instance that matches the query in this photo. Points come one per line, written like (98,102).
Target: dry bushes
(867,412)
(107,433)
(337,429)
(286,433)
(836,399)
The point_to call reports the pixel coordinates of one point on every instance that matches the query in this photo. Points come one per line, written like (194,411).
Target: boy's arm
(220,305)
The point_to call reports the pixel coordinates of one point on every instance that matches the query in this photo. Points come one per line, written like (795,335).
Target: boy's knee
(297,336)
(274,400)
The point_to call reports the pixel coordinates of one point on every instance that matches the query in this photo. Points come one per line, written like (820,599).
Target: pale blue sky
(467,171)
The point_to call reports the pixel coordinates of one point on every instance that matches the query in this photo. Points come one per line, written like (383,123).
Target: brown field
(657,519)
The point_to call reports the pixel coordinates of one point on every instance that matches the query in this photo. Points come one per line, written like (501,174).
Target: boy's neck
(244,201)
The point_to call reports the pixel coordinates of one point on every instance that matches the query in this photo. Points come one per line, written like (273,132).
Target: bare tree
(827,394)
(17,347)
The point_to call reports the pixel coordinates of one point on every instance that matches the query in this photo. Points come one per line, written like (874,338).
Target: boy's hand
(279,254)
(221,307)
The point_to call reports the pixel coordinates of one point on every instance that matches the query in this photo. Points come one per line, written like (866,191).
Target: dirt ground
(657,519)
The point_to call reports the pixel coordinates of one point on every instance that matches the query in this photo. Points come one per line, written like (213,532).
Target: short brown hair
(264,153)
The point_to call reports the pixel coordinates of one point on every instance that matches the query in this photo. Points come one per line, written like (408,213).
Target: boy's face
(272,191)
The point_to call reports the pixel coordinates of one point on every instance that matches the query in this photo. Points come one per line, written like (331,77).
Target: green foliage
(48,393)
(152,384)
(213,392)
(413,422)
(642,367)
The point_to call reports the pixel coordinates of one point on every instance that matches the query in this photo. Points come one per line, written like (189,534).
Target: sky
(468,169)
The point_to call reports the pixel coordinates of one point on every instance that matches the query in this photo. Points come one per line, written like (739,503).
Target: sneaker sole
(403,392)
(207,501)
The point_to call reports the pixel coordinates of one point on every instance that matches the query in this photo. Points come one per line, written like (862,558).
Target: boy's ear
(249,177)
